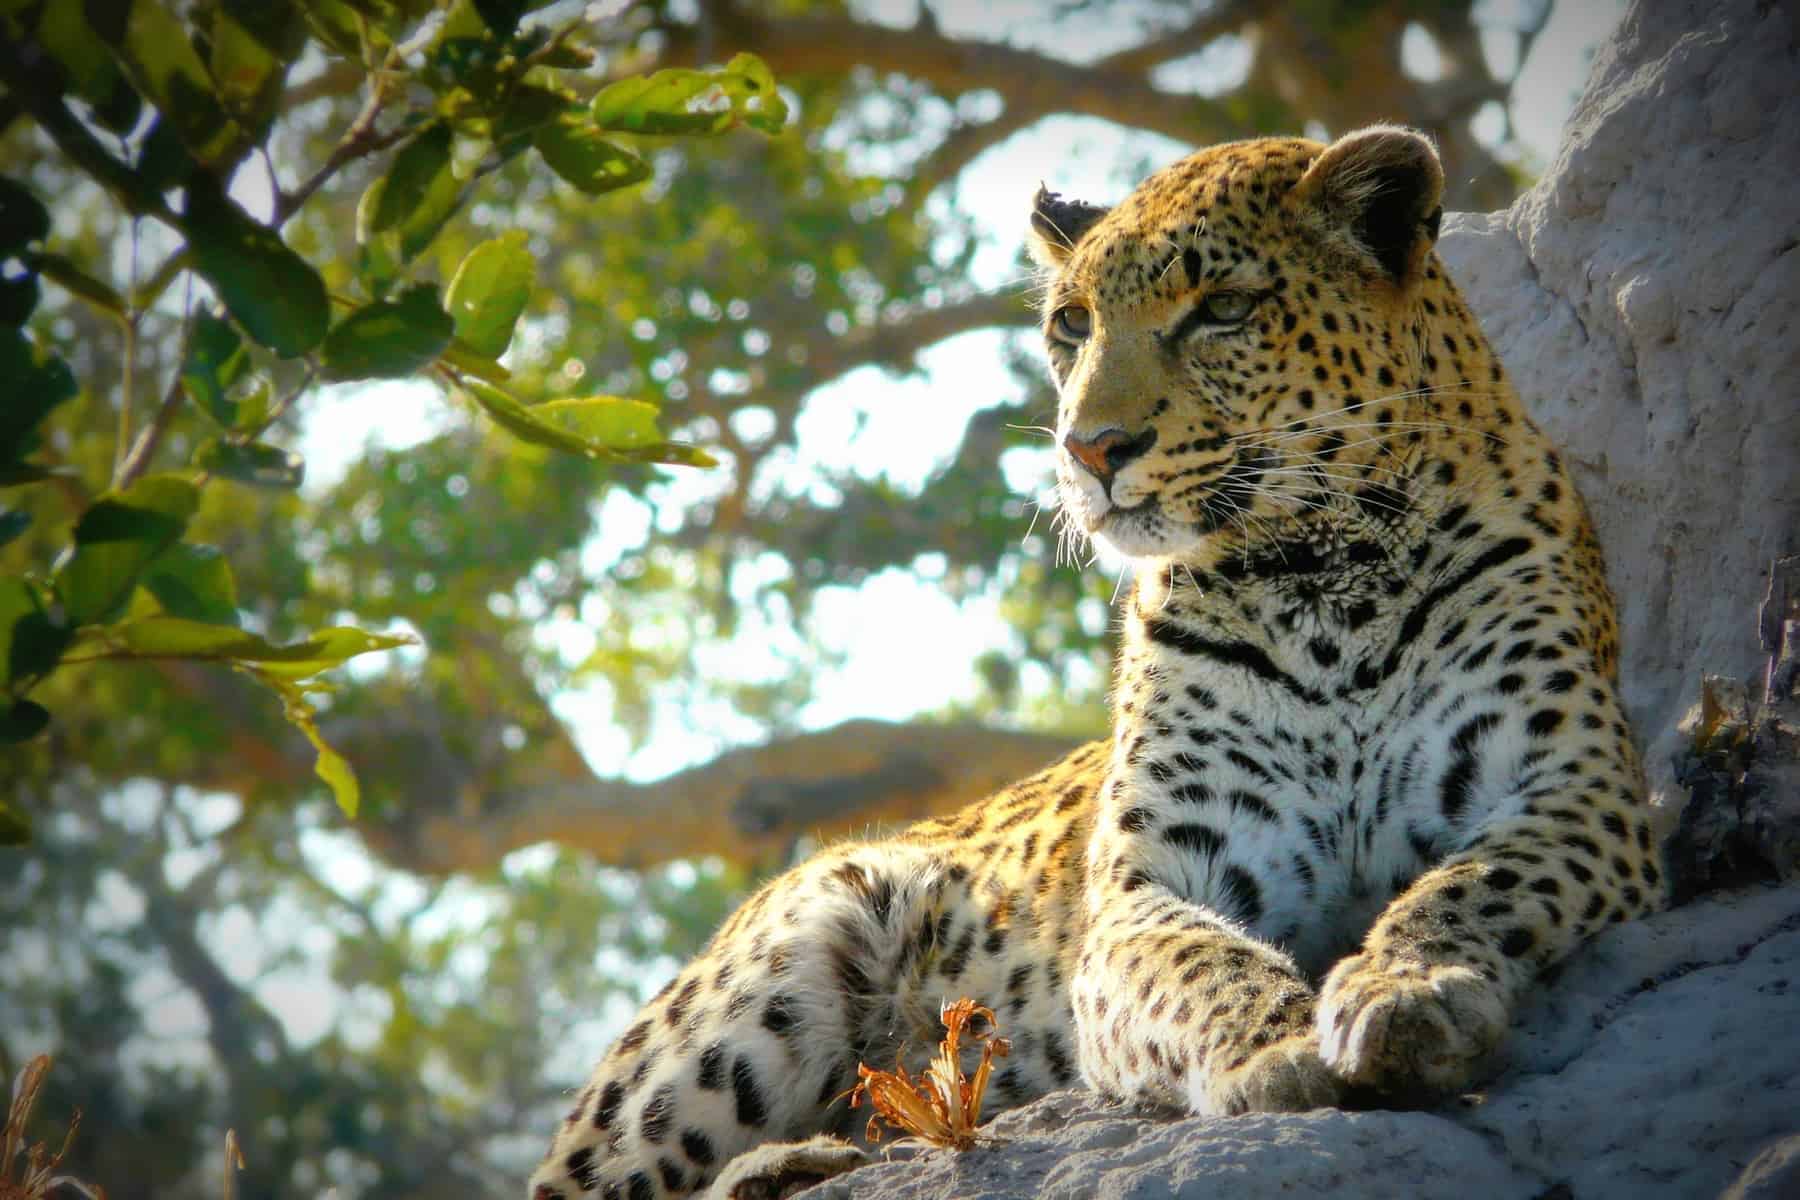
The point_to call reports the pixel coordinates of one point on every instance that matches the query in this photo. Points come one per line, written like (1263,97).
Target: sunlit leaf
(180,637)
(161,61)
(605,428)
(332,768)
(254,463)
(194,582)
(489,291)
(578,151)
(117,538)
(683,101)
(216,358)
(278,299)
(248,71)
(389,338)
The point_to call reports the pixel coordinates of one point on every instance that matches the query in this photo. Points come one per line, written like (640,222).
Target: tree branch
(1029,83)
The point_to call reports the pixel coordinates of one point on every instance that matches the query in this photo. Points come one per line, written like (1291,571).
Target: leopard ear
(1056,225)
(1379,192)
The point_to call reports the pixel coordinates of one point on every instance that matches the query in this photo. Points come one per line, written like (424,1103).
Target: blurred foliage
(225,224)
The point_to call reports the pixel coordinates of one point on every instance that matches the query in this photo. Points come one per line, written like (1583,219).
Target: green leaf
(158,57)
(388,339)
(15,829)
(21,721)
(682,101)
(270,291)
(405,208)
(36,382)
(417,170)
(330,766)
(117,538)
(194,582)
(67,33)
(216,358)
(18,297)
(575,150)
(13,522)
(255,463)
(162,636)
(489,291)
(35,646)
(23,218)
(501,16)
(17,602)
(250,51)
(605,428)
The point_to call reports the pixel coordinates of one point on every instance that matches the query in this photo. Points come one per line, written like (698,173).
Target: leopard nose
(1106,453)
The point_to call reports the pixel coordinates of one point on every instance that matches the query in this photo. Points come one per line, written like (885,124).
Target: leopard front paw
(1288,1076)
(777,1170)
(1408,1027)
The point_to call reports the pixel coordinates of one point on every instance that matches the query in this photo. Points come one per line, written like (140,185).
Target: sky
(905,428)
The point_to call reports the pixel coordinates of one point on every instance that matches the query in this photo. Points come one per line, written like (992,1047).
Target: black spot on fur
(752,1109)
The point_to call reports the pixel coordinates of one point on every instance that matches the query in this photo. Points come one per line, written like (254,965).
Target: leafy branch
(129,585)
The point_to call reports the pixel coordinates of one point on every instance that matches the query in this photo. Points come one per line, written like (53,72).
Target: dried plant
(942,1105)
(39,1165)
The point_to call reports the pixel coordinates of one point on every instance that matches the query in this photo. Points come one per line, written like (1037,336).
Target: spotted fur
(1368,773)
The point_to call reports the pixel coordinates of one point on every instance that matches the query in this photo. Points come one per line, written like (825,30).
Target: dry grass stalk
(40,1177)
(942,1105)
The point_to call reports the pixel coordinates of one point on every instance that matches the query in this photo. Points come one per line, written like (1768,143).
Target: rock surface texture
(1661,1063)
(1643,296)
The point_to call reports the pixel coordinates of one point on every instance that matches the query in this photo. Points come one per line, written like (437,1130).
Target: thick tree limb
(745,805)
(449,809)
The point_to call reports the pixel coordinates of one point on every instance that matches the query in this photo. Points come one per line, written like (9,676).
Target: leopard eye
(1228,307)
(1072,324)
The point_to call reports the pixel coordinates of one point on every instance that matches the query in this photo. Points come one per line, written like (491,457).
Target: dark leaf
(417,170)
(502,16)
(18,297)
(270,291)
(35,383)
(389,338)
(35,647)
(13,522)
(216,358)
(21,721)
(23,218)
(155,51)
(15,829)
(254,463)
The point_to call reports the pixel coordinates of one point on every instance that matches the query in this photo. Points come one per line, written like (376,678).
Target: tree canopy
(617,285)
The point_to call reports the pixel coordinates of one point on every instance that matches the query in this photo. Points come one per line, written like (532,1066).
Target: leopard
(1369,775)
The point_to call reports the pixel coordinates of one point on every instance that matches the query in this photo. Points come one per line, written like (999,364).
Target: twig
(359,141)
(138,460)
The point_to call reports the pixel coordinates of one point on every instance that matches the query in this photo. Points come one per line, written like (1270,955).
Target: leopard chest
(1273,772)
